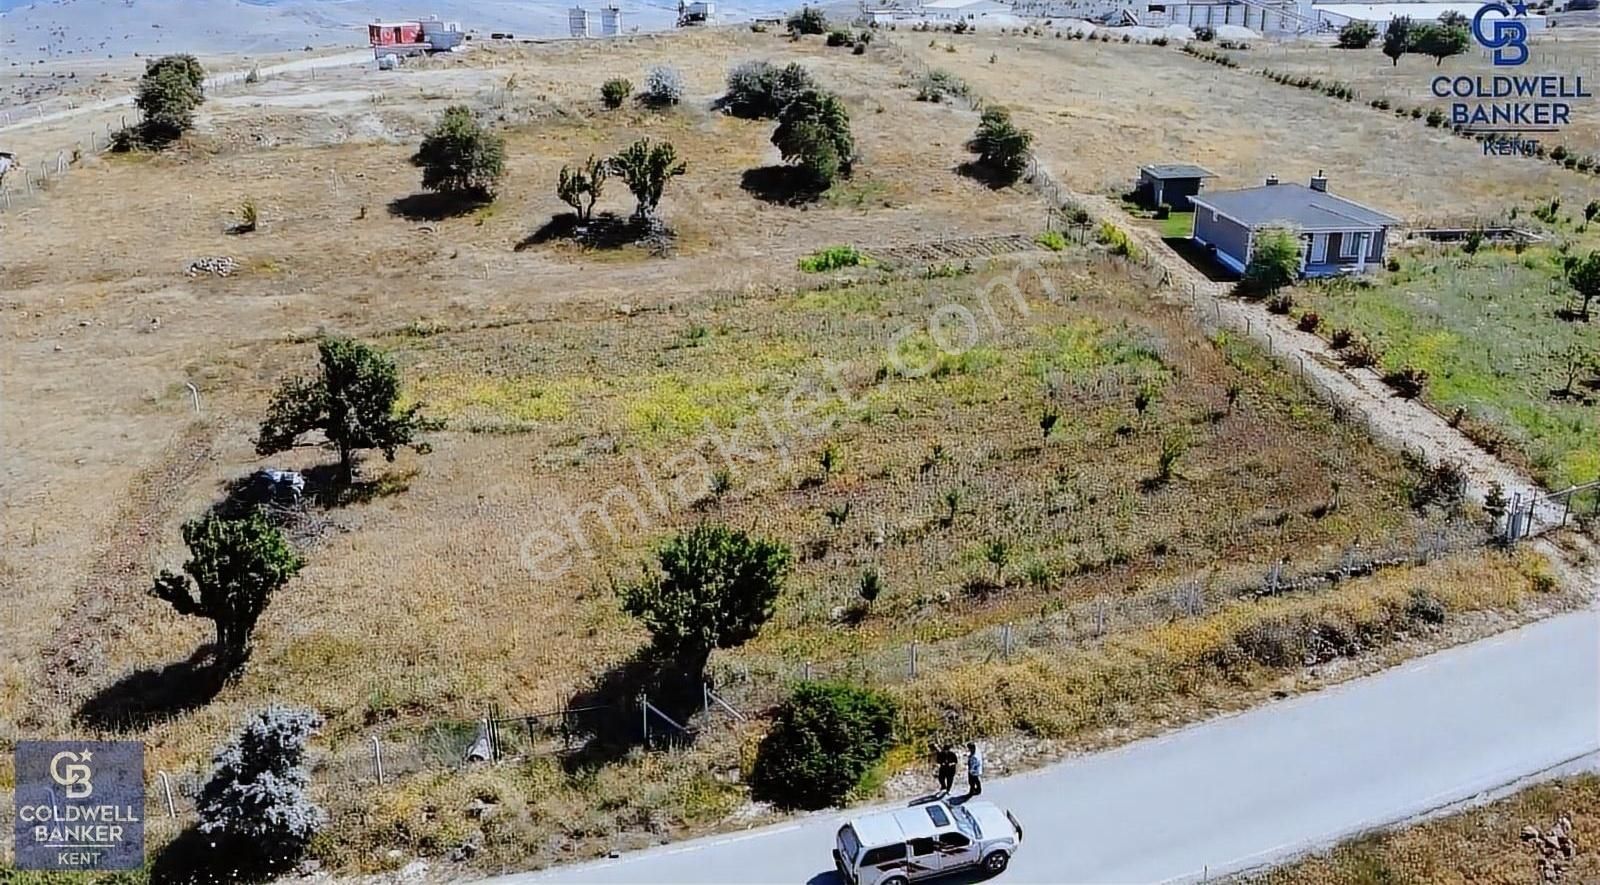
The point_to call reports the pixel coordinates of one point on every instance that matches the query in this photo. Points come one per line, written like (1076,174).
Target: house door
(1319,248)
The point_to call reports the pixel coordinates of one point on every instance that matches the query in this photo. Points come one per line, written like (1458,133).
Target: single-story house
(1171,183)
(1339,235)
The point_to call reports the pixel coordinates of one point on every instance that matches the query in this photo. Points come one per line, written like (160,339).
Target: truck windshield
(966,823)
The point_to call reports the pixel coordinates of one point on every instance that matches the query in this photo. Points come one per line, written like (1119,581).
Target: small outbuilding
(1171,183)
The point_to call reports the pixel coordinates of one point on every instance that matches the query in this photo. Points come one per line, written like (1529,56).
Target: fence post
(166,792)
(377,759)
(1005,641)
(644,717)
(913,660)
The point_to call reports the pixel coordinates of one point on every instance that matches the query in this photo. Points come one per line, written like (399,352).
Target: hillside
(69,29)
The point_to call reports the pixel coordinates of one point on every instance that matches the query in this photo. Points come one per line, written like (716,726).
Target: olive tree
(1440,41)
(760,89)
(1357,34)
(234,567)
(825,737)
(460,156)
(645,169)
(715,588)
(258,800)
(353,402)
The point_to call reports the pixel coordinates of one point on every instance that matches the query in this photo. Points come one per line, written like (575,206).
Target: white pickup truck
(923,841)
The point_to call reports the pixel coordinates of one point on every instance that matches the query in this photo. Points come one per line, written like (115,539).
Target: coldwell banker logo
(1502,108)
(80,805)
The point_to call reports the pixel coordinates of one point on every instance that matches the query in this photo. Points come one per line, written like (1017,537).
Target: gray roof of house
(1293,205)
(1177,170)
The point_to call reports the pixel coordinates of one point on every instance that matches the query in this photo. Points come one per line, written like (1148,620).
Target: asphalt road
(1245,790)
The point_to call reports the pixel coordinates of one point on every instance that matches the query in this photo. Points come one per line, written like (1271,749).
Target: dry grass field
(1103,109)
(573,381)
(1572,52)
(1482,845)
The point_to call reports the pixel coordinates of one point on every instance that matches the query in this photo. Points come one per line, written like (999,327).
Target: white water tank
(610,21)
(578,21)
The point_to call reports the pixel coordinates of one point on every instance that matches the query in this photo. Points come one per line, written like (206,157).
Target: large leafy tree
(646,168)
(760,89)
(1357,34)
(1001,145)
(460,156)
(826,737)
(235,566)
(1397,39)
(353,401)
(814,135)
(715,588)
(183,63)
(258,800)
(1440,41)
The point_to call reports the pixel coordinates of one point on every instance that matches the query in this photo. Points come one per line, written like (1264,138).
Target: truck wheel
(995,863)
(895,881)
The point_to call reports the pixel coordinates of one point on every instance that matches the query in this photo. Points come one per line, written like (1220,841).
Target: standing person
(948,760)
(974,770)
(936,758)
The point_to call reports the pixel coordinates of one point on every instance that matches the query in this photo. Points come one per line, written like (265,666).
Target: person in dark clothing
(948,761)
(974,770)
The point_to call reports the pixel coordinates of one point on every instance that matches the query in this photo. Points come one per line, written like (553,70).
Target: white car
(933,839)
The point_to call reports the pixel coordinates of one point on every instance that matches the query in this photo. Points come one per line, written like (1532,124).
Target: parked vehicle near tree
(905,845)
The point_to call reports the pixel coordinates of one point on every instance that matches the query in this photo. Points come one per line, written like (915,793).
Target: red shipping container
(394,33)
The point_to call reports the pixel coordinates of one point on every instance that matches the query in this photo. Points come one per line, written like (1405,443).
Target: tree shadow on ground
(437,206)
(988,176)
(609,715)
(196,858)
(150,695)
(606,230)
(1200,258)
(780,185)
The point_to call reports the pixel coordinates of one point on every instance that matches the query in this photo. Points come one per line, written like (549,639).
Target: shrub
(1204,34)
(833,258)
(1357,35)
(1053,240)
(1435,118)
(1118,241)
(645,169)
(1342,338)
(838,37)
(813,134)
(1001,145)
(249,217)
(581,188)
(1280,304)
(615,91)
(1360,354)
(825,737)
(938,84)
(663,86)
(1309,322)
(169,92)
(258,798)
(1442,484)
(759,89)
(809,20)
(715,588)
(235,566)
(1274,263)
(461,157)
(1407,381)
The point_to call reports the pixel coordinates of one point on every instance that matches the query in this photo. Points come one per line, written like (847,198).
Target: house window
(1347,244)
